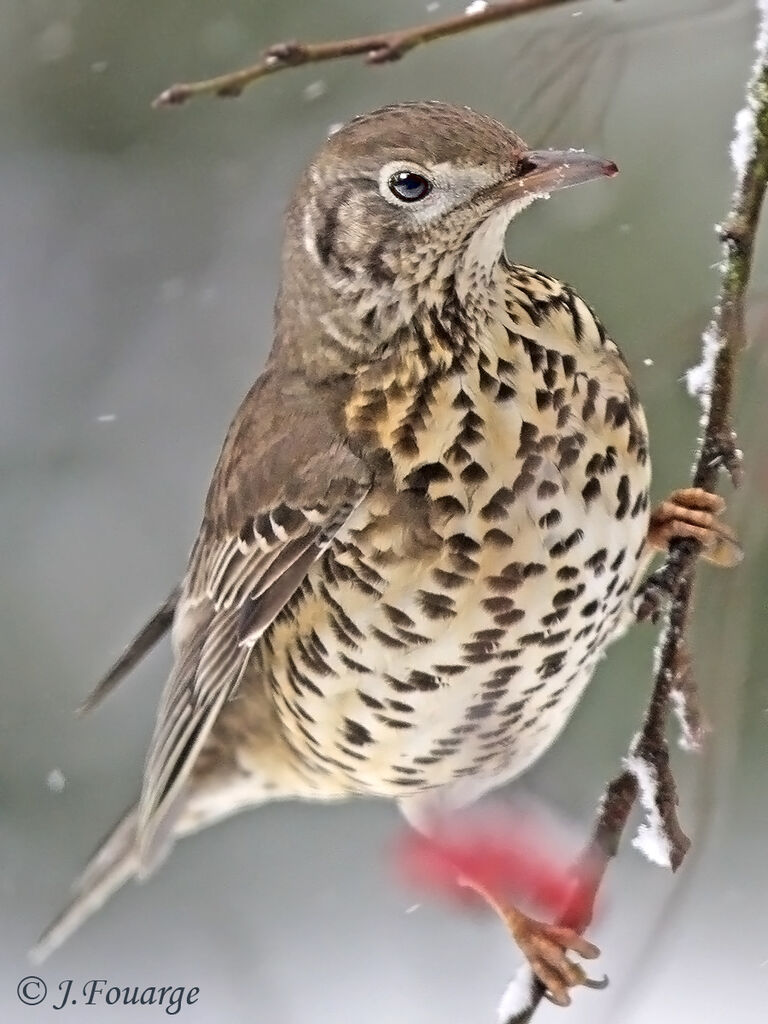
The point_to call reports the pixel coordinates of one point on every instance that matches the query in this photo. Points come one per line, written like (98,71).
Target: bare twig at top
(379,48)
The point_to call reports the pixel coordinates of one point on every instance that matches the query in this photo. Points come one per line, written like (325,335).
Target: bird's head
(409,199)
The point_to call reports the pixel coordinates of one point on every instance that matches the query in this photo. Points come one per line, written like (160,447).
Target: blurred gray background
(137,274)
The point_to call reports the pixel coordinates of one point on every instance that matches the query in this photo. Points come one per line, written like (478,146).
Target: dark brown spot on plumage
(551,665)
(569,366)
(449,580)
(458,454)
(325,237)
(597,561)
(491,635)
(436,606)
(356,733)
(623,497)
(550,519)
(503,584)
(536,637)
(397,617)
(535,353)
(400,706)
(463,563)
(341,634)
(388,641)
(405,444)
(558,398)
(393,723)
(488,382)
(640,504)
(543,399)
(548,705)
(569,454)
(420,478)
(505,673)
(505,369)
(423,681)
(462,400)
(369,701)
(473,474)
(448,505)
(482,710)
(523,482)
(498,538)
(591,490)
(616,412)
(553,618)
(497,604)
(549,375)
(531,569)
(590,403)
(529,433)
(514,708)
(496,507)
(410,637)
(509,618)
(547,489)
(312,660)
(563,546)
(463,543)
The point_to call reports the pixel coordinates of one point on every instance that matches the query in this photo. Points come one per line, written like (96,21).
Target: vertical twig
(646,773)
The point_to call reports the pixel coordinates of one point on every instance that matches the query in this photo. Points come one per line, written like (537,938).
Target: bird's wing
(284,485)
(150,633)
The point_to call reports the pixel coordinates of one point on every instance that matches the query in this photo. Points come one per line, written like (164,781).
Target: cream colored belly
(465,660)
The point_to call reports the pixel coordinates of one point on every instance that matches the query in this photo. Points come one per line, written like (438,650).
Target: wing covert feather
(283,487)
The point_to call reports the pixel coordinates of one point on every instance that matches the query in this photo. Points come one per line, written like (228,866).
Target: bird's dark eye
(409,186)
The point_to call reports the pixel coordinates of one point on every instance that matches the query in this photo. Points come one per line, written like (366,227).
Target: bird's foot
(546,947)
(689,514)
(695,513)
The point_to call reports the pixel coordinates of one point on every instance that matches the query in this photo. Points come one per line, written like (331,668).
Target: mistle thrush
(428,519)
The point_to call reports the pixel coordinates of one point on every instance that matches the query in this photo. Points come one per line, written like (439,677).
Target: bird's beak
(545,170)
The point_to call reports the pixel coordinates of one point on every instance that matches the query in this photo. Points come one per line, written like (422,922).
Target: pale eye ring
(409,186)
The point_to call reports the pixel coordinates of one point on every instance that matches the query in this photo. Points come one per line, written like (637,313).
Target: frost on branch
(743,146)
(684,702)
(660,836)
(699,377)
(518,999)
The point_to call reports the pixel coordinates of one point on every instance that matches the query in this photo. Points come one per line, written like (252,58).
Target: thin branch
(647,763)
(380,48)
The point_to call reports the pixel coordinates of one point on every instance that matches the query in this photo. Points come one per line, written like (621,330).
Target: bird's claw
(695,513)
(545,947)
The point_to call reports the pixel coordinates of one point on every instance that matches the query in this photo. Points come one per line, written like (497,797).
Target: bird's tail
(113,863)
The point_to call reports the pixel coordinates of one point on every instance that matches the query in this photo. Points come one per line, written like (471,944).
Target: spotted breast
(453,624)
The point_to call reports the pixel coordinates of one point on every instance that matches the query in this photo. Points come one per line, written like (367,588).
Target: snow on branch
(660,836)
